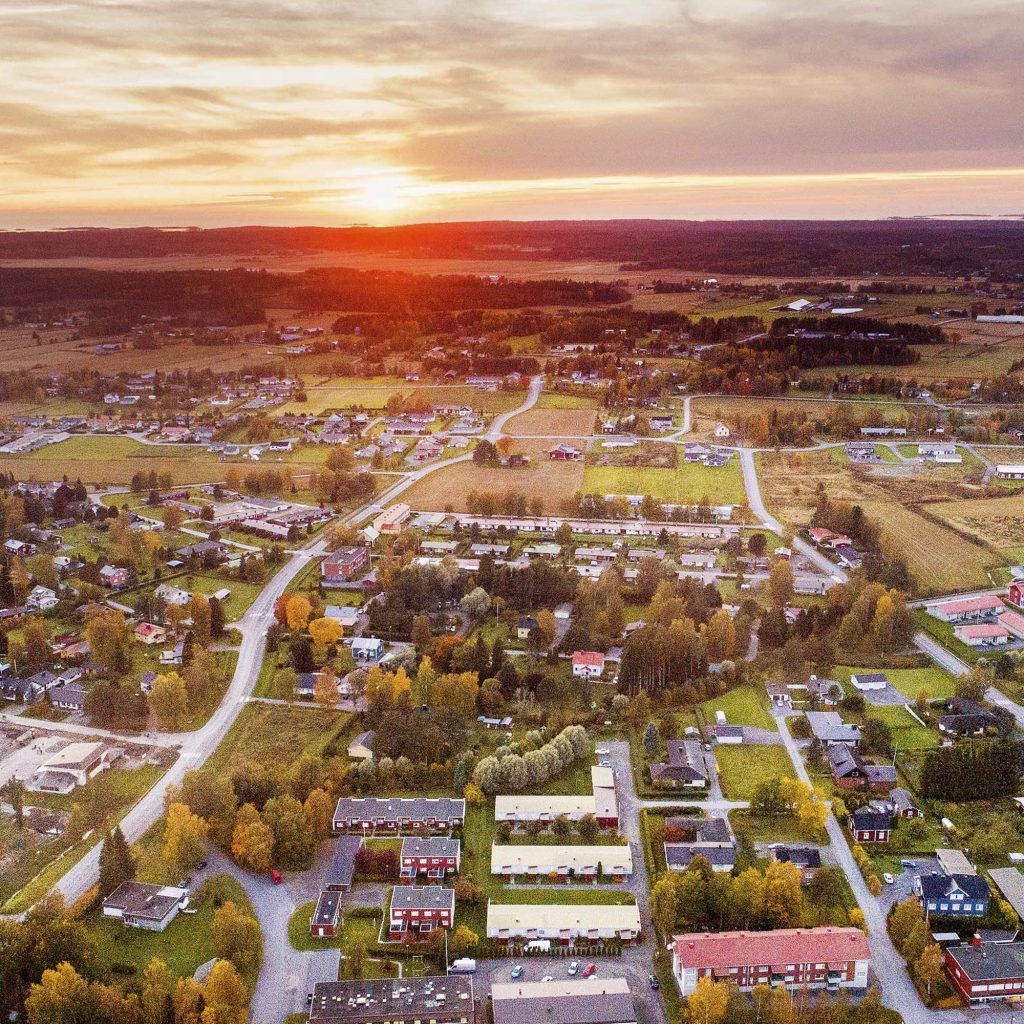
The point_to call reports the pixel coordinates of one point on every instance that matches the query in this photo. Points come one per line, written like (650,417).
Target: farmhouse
(141,905)
(569,1001)
(1015,594)
(440,1000)
(420,909)
(561,863)
(851,771)
(797,958)
(588,664)
(434,857)
(399,814)
(367,649)
(870,826)
(903,805)
(562,924)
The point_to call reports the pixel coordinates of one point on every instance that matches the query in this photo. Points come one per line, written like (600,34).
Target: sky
(219,112)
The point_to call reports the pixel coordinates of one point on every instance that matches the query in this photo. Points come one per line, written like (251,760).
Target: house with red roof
(826,959)
(983,634)
(1012,622)
(1015,595)
(587,664)
(967,609)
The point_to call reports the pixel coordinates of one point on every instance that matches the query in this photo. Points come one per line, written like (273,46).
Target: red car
(589,970)
(276,877)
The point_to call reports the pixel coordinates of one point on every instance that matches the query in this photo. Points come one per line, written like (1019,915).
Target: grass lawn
(945,633)
(742,767)
(88,446)
(775,828)
(907,732)
(276,735)
(556,401)
(909,681)
(746,705)
(688,483)
(242,594)
(185,945)
(199,713)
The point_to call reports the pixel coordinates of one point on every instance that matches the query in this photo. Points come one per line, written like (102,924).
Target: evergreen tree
(117,864)
(217,622)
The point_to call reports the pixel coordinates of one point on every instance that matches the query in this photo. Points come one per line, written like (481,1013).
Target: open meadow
(552,423)
(998,522)
(689,483)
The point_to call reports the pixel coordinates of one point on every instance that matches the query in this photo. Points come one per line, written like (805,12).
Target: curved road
(197,746)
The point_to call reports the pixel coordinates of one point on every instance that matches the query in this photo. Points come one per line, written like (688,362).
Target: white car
(574,968)
(888,879)
(601,751)
(547,977)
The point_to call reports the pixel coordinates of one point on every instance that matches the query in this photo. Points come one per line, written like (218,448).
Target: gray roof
(705,830)
(140,899)
(440,999)
(1010,882)
(429,846)
(828,727)
(991,961)
(328,907)
(415,808)
(681,855)
(801,856)
(421,897)
(516,1004)
(343,864)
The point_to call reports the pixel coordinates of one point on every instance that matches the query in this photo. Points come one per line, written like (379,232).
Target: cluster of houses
(985,621)
(837,544)
(272,518)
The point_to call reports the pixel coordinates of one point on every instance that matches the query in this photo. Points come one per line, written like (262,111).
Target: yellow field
(552,482)
(322,398)
(553,423)
(995,521)
(938,558)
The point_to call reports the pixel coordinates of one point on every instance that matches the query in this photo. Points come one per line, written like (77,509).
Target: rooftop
(570,1001)
(338,1001)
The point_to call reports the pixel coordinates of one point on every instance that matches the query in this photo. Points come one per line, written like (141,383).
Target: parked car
(653,981)
(907,864)
(201,866)
(547,977)
(589,970)
(276,877)
(517,972)
(888,879)
(574,968)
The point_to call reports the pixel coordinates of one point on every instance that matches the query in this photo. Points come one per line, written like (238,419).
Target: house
(114,576)
(779,694)
(588,664)
(504,723)
(726,734)
(207,551)
(323,924)
(525,626)
(173,655)
(603,804)
(903,805)
(41,598)
(713,831)
(952,895)
(391,519)
(345,614)
(722,431)
(824,691)
(967,718)
(870,826)
(1010,472)
(806,858)
(986,972)
(563,924)
(1015,594)
(830,959)
(22,548)
(982,634)
(679,856)
(399,814)
(344,565)
(684,769)
(420,909)
(565,453)
(146,906)
(829,729)
(148,633)
(343,863)
(72,766)
(1012,622)
(367,649)
(868,682)
(535,864)
(849,556)
(440,1000)
(361,748)
(851,771)
(432,856)
(172,595)
(967,609)
(564,1001)
(68,697)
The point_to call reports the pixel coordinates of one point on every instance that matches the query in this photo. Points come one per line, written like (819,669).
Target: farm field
(742,767)
(551,482)
(938,558)
(553,423)
(689,483)
(731,409)
(319,399)
(998,522)
(548,400)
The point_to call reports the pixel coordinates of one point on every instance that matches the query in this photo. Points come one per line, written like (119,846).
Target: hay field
(553,423)
(938,558)
(550,481)
(998,522)
(319,399)
(688,484)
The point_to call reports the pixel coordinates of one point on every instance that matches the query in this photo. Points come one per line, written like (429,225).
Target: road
(942,657)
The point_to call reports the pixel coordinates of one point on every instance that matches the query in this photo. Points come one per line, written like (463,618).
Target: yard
(909,681)
(745,705)
(242,594)
(741,767)
(690,483)
(185,945)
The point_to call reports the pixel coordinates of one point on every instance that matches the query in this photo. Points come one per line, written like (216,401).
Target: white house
(588,664)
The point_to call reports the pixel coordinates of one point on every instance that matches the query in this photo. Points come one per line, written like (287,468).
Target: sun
(384,196)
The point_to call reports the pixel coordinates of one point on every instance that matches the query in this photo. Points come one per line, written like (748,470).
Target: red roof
(969,604)
(714,950)
(984,631)
(589,658)
(1013,621)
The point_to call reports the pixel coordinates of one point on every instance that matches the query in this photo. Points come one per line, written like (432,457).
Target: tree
(319,813)
(117,864)
(217,619)
(476,604)
(462,942)
(708,1003)
(587,828)
(235,936)
(652,740)
(168,700)
(780,584)
(420,635)
(185,839)
(284,816)
(665,903)
(929,965)
(13,791)
(297,612)
(157,998)
(252,841)
(224,993)
(325,692)
(325,631)
(720,636)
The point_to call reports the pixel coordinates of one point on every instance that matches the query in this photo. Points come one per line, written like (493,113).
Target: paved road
(75,730)
(942,657)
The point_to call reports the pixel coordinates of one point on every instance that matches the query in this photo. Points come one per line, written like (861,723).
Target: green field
(742,767)
(555,401)
(242,594)
(689,484)
(746,705)
(185,945)
(907,732)
(909,681)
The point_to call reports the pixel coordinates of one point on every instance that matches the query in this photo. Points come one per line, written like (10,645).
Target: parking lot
(903,884)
